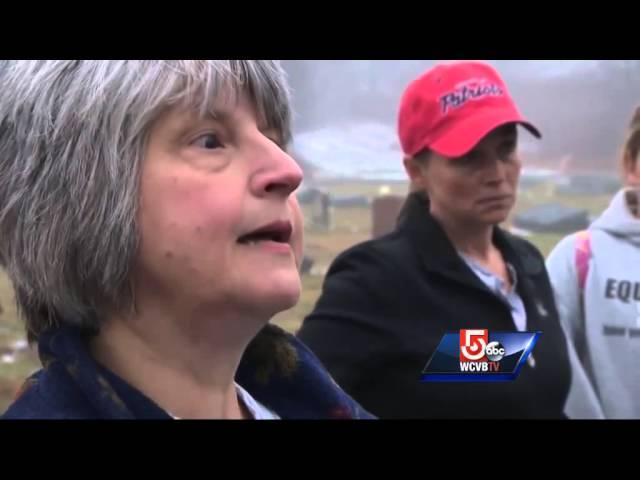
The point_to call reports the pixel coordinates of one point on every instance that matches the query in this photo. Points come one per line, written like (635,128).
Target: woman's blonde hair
(631,149)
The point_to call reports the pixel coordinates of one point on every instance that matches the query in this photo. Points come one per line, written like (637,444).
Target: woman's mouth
(274,235)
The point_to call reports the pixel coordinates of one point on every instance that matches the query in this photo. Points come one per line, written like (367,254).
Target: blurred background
(345,139)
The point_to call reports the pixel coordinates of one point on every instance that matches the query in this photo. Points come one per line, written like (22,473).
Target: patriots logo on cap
(470,91)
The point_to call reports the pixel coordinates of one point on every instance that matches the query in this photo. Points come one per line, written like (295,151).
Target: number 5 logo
(473,344)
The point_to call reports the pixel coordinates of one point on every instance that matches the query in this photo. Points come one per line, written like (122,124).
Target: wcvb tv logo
(477,355)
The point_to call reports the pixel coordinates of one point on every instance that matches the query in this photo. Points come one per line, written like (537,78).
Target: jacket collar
(277,369)
(438,255)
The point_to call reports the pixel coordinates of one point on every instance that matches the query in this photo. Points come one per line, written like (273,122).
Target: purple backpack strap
(583,255)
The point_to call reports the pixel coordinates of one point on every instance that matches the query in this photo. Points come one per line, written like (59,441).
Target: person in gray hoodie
(596,280)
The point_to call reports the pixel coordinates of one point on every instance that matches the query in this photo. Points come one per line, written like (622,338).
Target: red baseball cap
(453,106)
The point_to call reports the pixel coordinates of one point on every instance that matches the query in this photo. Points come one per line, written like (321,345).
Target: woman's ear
(415,171)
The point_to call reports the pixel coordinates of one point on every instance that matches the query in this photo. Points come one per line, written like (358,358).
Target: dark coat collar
(438,254)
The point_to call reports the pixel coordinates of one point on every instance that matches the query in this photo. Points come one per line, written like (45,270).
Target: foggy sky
(582,107)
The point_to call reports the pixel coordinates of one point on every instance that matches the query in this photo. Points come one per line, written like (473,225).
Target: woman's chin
(275,295)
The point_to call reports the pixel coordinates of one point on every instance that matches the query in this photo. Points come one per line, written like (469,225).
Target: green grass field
(351,226)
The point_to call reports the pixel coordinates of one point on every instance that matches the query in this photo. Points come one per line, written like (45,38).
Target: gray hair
(72,139)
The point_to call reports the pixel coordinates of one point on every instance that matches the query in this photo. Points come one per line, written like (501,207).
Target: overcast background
(582,107)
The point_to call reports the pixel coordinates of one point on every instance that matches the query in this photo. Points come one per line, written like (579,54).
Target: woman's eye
(208,142)
(278,141)
(508,151)
(282,145)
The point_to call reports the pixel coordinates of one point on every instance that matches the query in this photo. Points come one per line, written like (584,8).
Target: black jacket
(386,304)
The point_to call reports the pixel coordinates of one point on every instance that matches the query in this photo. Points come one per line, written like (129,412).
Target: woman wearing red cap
(387,303)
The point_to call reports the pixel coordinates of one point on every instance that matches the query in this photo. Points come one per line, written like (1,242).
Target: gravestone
(384,211)
(552,218)
(321,211)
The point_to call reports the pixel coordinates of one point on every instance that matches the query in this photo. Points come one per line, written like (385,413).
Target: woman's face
(632,181)
(632,171)
(478,188)
(220,227)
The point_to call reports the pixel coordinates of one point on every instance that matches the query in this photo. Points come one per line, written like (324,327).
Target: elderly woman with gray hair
(149,227)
